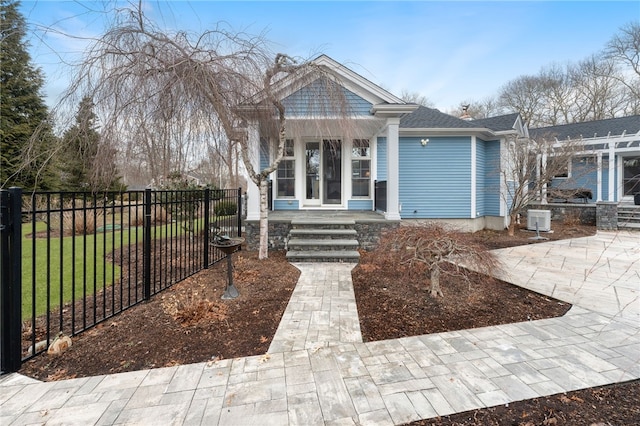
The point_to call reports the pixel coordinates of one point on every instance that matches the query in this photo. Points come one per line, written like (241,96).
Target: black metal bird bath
(228,246)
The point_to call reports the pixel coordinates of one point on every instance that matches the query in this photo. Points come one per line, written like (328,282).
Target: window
(286,177)
(360,168)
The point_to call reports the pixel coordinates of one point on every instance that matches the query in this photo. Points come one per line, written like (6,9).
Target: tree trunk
(435,282)
(263,251)
(511,229)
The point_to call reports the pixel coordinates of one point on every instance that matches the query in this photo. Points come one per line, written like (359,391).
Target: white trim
(612,171)
(393,169)
(253,192)
(474,177)
(599,177)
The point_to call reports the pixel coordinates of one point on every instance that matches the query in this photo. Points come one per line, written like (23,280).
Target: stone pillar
(607,216)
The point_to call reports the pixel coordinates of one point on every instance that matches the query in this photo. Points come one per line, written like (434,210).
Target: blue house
(410,162)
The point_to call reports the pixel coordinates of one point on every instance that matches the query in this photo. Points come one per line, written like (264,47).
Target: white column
(474,178)
(253,192)
(544,173)
(599,178)
(612,171)
(393,169)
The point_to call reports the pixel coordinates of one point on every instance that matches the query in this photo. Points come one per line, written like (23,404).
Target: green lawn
(63,260)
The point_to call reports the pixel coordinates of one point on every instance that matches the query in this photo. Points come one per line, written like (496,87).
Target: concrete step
(306,223)
(346,256)
(322,233)
(323,244)
(628,225)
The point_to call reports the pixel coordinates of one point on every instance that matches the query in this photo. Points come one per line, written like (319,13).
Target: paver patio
(318,370)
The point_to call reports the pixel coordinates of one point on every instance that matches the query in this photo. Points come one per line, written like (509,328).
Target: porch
(321,234)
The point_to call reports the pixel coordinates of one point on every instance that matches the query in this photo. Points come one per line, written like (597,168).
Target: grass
(70,265)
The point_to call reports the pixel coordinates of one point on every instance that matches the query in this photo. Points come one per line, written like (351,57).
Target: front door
(323,173)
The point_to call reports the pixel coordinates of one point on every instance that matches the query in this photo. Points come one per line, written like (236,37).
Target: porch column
(253,192)
(599,178)
(393,169)
(544,173)
(612,171)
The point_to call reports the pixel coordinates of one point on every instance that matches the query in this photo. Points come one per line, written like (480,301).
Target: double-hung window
(286,179)
(360,168)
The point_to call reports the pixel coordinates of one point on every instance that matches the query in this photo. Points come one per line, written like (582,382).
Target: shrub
(225,208)
(81,222)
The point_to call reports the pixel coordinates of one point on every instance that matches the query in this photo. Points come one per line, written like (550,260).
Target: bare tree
(526,95)
(475,109)
(162,96)
(598,92)
(442,251)
(528,166)
(415,98)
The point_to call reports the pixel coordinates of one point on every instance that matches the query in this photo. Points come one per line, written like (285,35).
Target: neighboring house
(425,164)
(591,169)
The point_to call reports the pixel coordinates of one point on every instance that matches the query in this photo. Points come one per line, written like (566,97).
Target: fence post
(146,246)
(207,205)
(239,212)
(10,279)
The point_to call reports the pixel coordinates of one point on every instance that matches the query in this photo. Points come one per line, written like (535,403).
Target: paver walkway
(309,378)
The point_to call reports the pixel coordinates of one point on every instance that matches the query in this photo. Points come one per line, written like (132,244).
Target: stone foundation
(607,215)
(585,214)
(369,233)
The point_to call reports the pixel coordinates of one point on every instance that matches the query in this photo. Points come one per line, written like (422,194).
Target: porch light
(424,142)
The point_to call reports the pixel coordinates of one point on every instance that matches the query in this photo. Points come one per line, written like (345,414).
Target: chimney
(465,113)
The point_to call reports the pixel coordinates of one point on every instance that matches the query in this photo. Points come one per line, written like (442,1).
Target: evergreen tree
(81,148)
(23,112)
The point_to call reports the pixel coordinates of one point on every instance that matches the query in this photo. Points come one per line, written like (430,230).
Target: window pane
(286,178)
(360,178)
(360,148)
(288,148)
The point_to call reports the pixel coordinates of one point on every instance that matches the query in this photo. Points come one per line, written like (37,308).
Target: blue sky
(447,51)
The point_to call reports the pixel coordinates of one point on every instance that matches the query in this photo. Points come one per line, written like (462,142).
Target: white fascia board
(393,110)
(358,80)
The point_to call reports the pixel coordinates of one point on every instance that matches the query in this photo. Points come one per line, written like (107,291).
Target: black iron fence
(70,260)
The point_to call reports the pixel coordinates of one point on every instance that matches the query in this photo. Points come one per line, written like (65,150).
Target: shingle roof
(589,129)
(424,118)
(499,123)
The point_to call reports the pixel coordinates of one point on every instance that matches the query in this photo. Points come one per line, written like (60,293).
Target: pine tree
(81,142)
(22,108)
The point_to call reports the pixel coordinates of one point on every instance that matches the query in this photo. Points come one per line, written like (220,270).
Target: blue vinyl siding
(284,205)
(586,176)
(360,205)
(309,101)
(491,170)
(381,162)
(435,180)
(264,154)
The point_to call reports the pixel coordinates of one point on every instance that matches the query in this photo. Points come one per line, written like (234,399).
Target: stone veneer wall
(369,233)
(561,211)
(278,233)
(607,215)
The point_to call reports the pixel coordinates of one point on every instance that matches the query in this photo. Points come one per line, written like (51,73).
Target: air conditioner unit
(539,220)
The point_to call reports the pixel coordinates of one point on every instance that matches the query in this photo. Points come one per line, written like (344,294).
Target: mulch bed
(190,323)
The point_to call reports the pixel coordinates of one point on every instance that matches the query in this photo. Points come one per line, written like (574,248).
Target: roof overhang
(445,131)
(392,110)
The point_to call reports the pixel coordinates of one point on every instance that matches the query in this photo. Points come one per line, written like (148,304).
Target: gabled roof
(589,129)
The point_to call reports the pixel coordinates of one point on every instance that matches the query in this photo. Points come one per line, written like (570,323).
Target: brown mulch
(190,323)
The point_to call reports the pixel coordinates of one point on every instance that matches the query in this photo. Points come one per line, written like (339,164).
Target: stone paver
(319,372)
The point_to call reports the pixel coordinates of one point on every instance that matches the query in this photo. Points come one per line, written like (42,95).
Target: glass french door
(323,172)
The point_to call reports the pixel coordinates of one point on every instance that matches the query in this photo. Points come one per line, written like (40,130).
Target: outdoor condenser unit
(541,217)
